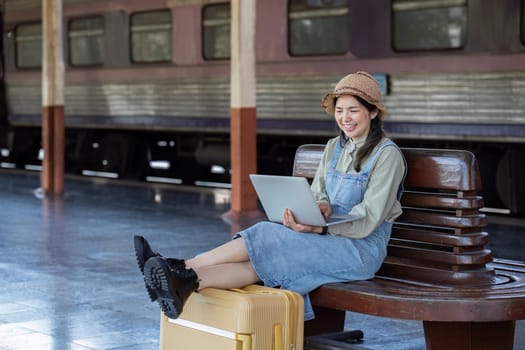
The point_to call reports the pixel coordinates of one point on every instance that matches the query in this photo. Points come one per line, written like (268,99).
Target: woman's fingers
(288,218)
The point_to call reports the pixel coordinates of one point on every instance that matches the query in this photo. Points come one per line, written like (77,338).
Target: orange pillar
(53,144)
(243,159)
(243,113)
(52,98)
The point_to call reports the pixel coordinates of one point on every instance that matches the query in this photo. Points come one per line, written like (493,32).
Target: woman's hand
(289,221)
(325,208)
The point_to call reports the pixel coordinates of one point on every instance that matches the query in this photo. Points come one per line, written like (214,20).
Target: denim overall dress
(301,261)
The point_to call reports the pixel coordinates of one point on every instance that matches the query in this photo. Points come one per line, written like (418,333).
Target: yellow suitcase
(251,318)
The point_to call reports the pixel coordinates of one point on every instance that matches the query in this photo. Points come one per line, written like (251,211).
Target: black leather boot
(143,252)
(172,286)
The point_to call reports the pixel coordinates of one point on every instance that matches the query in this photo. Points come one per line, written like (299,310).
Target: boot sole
(157,276)
(139,255)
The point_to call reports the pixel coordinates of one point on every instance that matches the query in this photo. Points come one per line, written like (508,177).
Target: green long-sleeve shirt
(380,200)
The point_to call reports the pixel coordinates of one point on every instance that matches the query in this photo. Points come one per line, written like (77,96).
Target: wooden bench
(438,269)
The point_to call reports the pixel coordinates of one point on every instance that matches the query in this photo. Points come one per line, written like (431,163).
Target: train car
(147,83)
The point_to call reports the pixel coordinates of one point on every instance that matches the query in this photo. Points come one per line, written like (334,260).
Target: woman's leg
(230,275)
(231,252)
(227,266)
(172,287)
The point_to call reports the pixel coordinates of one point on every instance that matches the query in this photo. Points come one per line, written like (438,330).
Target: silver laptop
(279,192)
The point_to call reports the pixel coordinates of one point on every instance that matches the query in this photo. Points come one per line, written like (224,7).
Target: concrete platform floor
(69,276)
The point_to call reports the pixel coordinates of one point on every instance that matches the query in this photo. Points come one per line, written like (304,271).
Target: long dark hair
(375,135)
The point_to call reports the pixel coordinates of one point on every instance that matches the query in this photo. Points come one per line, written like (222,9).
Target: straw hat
(359,84)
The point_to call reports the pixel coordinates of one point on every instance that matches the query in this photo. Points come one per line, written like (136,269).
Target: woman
(361,172)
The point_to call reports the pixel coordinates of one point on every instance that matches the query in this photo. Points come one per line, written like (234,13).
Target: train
(147,83)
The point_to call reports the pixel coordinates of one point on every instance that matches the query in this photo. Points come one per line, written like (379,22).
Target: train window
(216,31)
(429,24)
(28,45)
(151,37)
(318,27)
(86,41)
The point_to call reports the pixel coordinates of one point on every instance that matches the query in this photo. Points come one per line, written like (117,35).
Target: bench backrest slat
(307,159)
(454,170)
(436,237)
(440,234)
(437,201)
(420,217)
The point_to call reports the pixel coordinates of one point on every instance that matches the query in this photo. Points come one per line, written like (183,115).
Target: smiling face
(352,117)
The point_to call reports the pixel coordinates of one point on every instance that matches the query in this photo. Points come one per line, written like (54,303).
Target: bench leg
(326,321)
(469,335)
